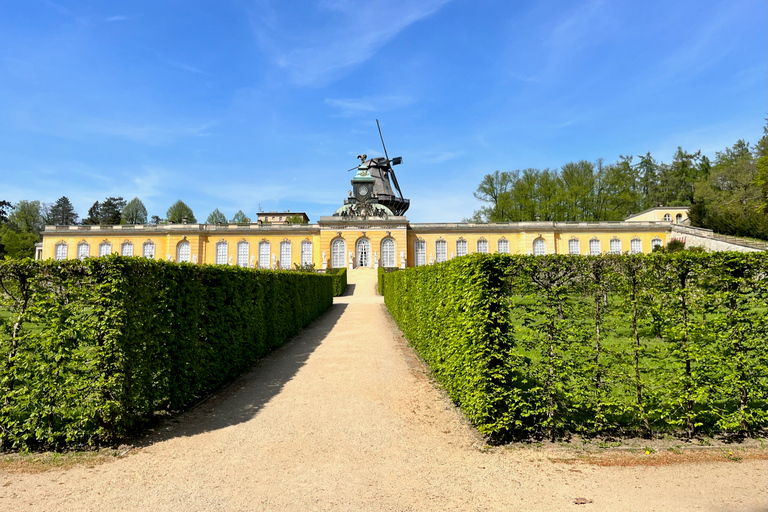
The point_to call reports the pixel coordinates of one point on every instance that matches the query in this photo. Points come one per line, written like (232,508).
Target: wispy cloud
(367,104)
(186,67)
(344,35)
(111,19)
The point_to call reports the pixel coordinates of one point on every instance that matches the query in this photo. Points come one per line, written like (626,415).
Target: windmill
(381,170)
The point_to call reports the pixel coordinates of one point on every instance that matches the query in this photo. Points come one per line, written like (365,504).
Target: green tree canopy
(27,217)
(5,208)
(62,213)
(134,212)
(295,219)
(16,244)
(179,212)
(240,218)
(216,217)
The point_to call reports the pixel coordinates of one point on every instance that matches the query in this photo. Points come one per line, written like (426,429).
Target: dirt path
(344,418)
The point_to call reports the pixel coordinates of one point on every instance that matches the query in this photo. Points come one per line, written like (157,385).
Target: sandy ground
(345,418)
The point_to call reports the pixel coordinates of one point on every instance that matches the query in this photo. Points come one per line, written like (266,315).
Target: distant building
(676,214)
(280,217)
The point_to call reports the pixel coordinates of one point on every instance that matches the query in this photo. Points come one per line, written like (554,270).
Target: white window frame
(420,252)
(148,250)
(222,252)
(574,246)
(265,251)
(594,247)
(679,218)
(243,252)
(656,242)
(338,253)
(126,249)
(105,249)
(388,253)
(667,217)
(285,255)
(83,250)
(482,246)
(441,251)
(461,248)
(615,246)
(539,247)
(183,252)
(60,251)
(502,246)
(306,253)
(636,246)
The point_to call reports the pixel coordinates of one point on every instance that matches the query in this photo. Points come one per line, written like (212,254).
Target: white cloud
(344,35)
(368,104)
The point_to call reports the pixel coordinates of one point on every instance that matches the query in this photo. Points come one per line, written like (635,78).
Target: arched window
(420,250)
(502,246)
(539,247)
(441,251)
(243,251)
(285,255)
(83,250)
(574,247)
(679,218)
(60,251)
(149,250)
(363,250)
(126,249)
(105,249)
(306,253)
(636,246)
(461,247)
(667,217)
(338,253)
(615,246)
(482,246)
(222,252)
(264,252)
(388,253)
(183,251)
(594,247)
(656,242)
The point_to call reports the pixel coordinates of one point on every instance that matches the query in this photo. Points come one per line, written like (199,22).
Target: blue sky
(241,104)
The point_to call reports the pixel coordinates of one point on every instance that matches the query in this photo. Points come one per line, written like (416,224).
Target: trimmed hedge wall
(632,344)
(380,274)
(339,280)
(90,350)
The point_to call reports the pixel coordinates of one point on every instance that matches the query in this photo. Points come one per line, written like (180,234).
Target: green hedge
(628,344)
(339,280)
(90,350)
(380,274)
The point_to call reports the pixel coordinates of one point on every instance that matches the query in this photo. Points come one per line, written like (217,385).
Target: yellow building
(363,232)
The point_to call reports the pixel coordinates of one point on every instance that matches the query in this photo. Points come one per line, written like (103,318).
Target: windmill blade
(394,181)
(382,140)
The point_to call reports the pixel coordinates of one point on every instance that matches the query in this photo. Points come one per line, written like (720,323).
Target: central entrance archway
(363,252)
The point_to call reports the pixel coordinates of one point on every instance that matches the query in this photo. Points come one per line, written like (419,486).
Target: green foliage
(179,212)
(534,346)
(240,218)
(216,217)
(675,245)
(380,274)
(295,219)
(27,217)
(17,244)
(339,280)
(62,213)
(134,212)
(5,208)
(90,350)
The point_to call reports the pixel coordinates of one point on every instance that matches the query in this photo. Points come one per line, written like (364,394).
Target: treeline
(21,224)
(728,195)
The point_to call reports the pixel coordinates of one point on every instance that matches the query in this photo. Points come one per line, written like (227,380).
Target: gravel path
(344,418)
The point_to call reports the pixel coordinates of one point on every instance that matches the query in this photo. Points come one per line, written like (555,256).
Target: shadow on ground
(349,291)
(243,398)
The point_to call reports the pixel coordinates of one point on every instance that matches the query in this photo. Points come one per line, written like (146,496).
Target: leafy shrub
(544,345)
(339,280)
(380,274)
(91,349)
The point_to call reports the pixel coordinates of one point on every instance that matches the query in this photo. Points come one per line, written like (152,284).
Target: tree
(17,244)
(134,212)
(494,190)
(179,212)
(156,220)
(62,213)
(111,210)
(216,217)
(240,218)
(5,208)
(94,215)
(27,217)
(295,219)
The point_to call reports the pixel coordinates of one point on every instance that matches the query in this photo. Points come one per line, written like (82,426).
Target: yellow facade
(359,241)
(676,214)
